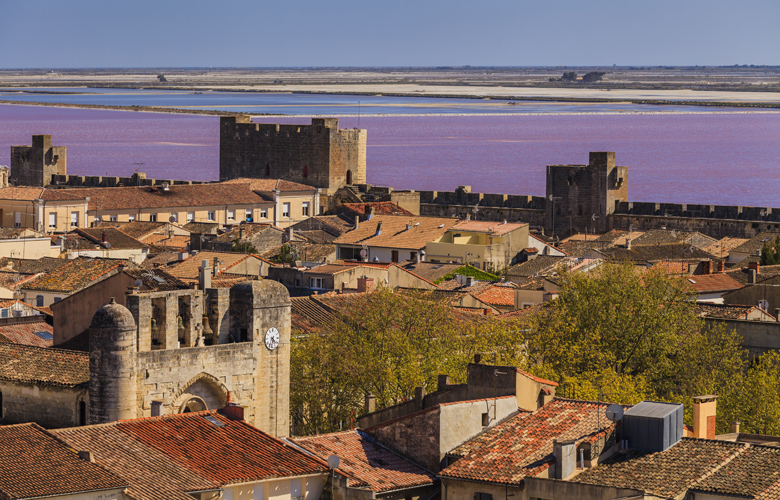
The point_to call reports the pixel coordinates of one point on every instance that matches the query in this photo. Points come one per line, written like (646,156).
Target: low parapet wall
(108,181)
(734,212)
(531,216)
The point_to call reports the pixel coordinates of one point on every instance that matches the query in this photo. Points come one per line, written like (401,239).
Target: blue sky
(108,33)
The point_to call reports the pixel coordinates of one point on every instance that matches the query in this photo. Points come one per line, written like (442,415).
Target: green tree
(593,76)
(569,76)
(770,252)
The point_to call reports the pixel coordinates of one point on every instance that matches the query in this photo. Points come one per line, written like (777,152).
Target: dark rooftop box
(653,426)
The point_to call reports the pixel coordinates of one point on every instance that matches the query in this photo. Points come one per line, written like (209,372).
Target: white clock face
(272,338)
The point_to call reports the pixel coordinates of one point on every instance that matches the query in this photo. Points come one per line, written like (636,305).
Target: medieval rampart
(107,181)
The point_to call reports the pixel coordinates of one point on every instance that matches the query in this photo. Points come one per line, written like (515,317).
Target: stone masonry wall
(49,406)
(34,165)
(416,436)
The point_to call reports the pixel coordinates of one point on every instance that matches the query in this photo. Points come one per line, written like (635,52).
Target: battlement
(137,179)
(732,212)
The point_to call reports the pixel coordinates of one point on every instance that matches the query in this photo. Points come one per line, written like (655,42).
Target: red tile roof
(268,185)
(665,474)
(179,196)
(151,474)
(523,445)
(705,283)
(38,365)
(25,333)
(234,452)
(76,275)
(37,464)
(115,238)
(379,207)
(755,470)
(395,233)
(481,226)
(497,296)
(367,463)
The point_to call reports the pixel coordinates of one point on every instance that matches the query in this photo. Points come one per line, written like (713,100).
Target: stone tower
(189,350)
(260,314)
(319,155)
(34,165)
(581,197)
(112,364)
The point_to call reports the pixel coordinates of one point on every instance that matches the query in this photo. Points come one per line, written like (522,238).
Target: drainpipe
(277,209)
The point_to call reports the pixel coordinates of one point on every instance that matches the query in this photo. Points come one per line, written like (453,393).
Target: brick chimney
(233,411)
(721,266)
(755,266)
(704,413)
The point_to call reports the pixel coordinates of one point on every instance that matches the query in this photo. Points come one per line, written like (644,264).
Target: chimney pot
(735,427)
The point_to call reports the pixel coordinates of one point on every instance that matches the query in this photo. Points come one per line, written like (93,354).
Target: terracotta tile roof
(117,239)
(706,283)
(523,445)
(179,196)
(710,310)
(162,241)
(652,253)
(161,259)
(309,314)
(150,473)
(755,470)
(539,265)
(394,233)
(674,266)
(21,193)
(765,272)
(37,365)
(756,243)
(497,296)
(157,280)
(7,233)
(26,333)
(246,229)
(722,247)
(138,229)
(234,452)
(379,207)
(666,236)
(202,227)
(431,271)
(268,185)
(771,493)
(32,266)
(480,226)
(332,224)
(76,275)
(369,463)
(37,464)
(668,473)
(188,268)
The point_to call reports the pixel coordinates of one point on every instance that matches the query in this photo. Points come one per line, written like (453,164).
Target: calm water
(310,104)
(718,158)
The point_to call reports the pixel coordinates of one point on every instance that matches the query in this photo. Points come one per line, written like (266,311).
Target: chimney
(565,452)
(204,277)
(754,265)
(233,411)
(378,228)
(290,233)
(706,267)
(419,396)
(370,214)
(240,233)
(777,314)
(751,276)
(443,381)
(370,403)
(628,243)
(735,427)
(721,266)
(469,280)
(477,358)
(468,217)
(104,238)
(365,284)
(486,312)
(704,412)
(216,266)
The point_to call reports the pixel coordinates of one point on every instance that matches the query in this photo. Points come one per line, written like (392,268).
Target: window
(285,210)
(231,215)
(156,408)
(18,219)
(297,284)
(305,170)
(483,496)
(174,217)
(39,301)
(268,170)
(263,213)
(485,419)
(74,219)
(57,299)
(305,208)
(315,283)
(152,217)
(412,256)
(82,412)
(131,218)
(53,219)
(394,256)
(249,215)
(112,218)
(190,216)
(212,215)
(4,312)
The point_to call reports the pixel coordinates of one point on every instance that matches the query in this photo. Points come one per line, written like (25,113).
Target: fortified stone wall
(319,155)
(106,181)
(714,227)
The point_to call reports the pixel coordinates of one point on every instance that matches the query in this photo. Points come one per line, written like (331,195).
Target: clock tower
(260,314)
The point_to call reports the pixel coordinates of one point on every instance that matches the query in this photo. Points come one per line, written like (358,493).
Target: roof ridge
(47,349)
(722,464)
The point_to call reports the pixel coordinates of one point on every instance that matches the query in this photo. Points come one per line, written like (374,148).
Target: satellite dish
(172,218)
(333,461)
(614,412)
(363,253)
(138,283)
